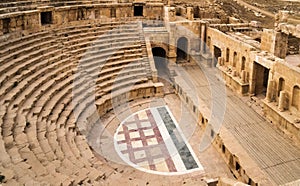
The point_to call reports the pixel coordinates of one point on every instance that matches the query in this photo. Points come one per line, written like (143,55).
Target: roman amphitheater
(154,92)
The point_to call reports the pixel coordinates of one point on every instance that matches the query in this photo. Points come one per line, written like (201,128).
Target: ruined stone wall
(234,60)
(32,21)
(227,43)
(274,42)
(290,77)
(191,31)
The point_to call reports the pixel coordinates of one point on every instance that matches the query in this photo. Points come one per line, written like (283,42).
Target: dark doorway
(80,14)
(46,18)
(293,45)
(113,12)
(261,79)
(182,44)
(138,11)
(161,64)
(6,22)
(196,12)
(217,53)
(159,55)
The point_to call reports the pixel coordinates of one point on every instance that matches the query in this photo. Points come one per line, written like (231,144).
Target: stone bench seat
(29,52)
(105,54)
(95,32)
(19,6)
(69,32)
(15,67)
(87,46)
(4,156)
(14,48)
(108,72)
(112,84)
(9,81)
(97,73)
(118,74)
(10,42)
(133,39)
(122,43)
(16,8)
(30,79)
(81,47)
(101,62)
(43,107)
(14,3)
(102,99)
(47,101)
(24,85)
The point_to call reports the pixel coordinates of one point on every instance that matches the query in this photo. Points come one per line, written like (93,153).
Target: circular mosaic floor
(151,140)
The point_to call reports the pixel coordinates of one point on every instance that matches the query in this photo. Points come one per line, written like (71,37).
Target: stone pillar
(190,13)
(1,27)
(203,29)
(234,73)
(172,14)
(172,42)
(220,61)
(271,85)
(281,17)
(282,101)
(243,76)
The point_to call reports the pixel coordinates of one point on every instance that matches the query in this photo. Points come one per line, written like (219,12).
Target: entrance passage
(182,48)
(261,75)
(138,11)
(217,54)
(159,55)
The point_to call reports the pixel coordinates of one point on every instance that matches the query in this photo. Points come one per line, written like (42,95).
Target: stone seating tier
(39,135)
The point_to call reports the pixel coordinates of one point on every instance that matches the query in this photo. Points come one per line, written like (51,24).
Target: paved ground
(271,150)
(267,13)
(211,161)
(152,141)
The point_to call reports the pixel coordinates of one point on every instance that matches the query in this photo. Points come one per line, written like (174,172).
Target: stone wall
(274,42)
(234,60)
(31,21)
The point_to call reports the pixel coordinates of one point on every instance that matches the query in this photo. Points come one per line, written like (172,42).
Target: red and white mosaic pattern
(143,142)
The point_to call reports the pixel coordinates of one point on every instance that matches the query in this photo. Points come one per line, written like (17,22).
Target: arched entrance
(182,48)
(161,64)
(217,53)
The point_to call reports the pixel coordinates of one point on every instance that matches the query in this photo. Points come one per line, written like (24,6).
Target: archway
(281,85)
(261,75)
(161,64)
(217,54)
(296,98)
(182,47)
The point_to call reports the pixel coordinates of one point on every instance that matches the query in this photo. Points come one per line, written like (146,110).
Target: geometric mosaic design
(150,140)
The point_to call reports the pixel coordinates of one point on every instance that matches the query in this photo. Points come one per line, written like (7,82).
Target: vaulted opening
(182,47)
(46,18)
(138,10)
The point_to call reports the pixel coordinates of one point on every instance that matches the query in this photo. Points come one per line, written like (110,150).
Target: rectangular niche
(138,10)
(46,18)
(5,22)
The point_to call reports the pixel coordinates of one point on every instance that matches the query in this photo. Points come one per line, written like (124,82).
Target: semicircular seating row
(9,6)
(39,140)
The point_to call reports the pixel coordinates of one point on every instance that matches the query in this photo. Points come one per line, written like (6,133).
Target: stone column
(234,73)
(270,88)
(203,29)
(252,79)
(172,42)
(220,61)
(172,14)
(243,76)
(282,101)
(190,13)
